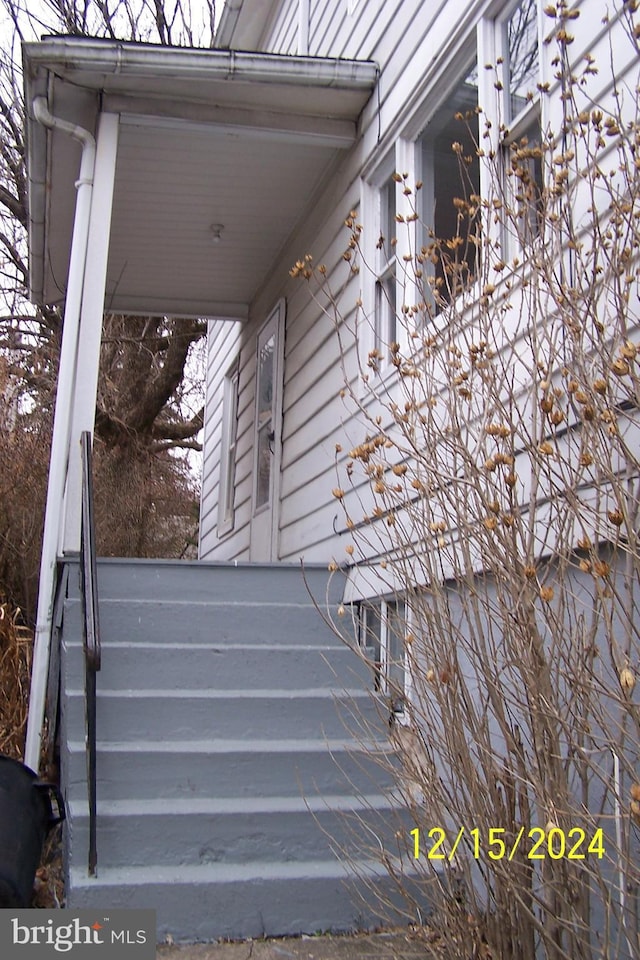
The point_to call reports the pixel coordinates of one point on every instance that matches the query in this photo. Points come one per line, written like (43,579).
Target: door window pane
(265,421)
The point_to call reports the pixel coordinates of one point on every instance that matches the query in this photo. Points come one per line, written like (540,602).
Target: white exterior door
(268,438)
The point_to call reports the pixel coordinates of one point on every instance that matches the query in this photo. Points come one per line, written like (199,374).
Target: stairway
(227,770)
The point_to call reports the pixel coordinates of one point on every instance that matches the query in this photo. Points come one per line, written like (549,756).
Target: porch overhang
(220,154)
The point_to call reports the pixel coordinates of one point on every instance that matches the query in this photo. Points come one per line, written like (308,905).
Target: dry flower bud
(627,680)
(620,367)
(601,568)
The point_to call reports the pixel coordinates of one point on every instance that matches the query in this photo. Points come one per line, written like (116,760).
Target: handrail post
(90,636)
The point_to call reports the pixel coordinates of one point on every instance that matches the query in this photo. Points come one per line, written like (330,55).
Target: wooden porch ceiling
(220,154)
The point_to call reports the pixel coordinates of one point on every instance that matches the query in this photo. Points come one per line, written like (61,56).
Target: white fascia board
(286,129)
(194,309)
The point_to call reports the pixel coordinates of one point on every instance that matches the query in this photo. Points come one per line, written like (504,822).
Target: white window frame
(425,172)
(383,256)
(228,449)
(516,126)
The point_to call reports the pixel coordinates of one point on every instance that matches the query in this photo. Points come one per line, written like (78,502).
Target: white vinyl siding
(283,35)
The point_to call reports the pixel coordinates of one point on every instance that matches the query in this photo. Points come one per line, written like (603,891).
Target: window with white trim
(386,286)
(519,85)
(383,629)
(447,165)
(228,450)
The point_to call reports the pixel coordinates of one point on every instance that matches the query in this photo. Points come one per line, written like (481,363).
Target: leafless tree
(149,409)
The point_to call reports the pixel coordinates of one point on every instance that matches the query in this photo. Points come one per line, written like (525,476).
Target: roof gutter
(61,427)
(143,60)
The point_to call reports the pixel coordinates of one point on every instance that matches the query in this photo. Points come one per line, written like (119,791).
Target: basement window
(382,632)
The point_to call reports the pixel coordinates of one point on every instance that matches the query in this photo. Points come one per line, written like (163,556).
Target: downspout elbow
(44,116)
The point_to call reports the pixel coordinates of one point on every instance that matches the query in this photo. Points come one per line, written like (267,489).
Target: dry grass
(15,665)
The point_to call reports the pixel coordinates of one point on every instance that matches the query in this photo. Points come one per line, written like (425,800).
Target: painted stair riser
(133,621)
(200,838)
(207,904)
(188,667)
(312,769)
(182,581)
(277,714)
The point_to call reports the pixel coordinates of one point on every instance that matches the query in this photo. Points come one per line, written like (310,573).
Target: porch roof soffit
(220,155)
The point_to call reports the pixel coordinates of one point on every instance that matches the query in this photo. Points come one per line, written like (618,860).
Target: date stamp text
(496,843)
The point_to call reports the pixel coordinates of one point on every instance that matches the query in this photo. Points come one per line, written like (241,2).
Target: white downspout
(61,427)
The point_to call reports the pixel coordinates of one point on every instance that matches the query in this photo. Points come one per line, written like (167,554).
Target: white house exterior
(218,178)
(432,60)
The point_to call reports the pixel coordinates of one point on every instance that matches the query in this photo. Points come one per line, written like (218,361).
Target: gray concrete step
(206,902)
(237,830)
(194,580)
(243,714)
(236,768)
(214,622)
(200,666)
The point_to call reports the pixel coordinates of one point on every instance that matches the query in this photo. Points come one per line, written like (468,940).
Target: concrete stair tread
(311,693)
(228,745)
(212,873)
(221,805)
(328,648)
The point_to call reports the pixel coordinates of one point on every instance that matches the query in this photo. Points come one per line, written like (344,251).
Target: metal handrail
(90,637)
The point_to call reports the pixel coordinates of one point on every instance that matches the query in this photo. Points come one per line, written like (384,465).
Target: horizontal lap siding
(283,34)
(227,341)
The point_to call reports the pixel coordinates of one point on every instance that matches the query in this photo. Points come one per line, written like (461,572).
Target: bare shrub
(15,663)
(492,499)
(146,503)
